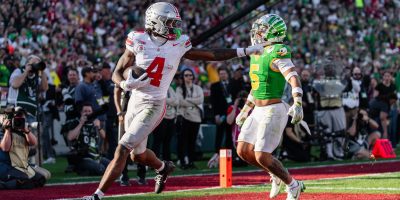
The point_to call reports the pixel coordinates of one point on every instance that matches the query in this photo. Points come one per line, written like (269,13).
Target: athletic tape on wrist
(290,74)
(297,90)
(122,84)
(240,52)
(250,98)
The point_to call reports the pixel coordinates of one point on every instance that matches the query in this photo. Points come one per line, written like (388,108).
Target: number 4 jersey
(160,62)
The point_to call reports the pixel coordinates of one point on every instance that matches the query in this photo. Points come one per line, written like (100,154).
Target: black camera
(40,66)
(103,109)
(17,117)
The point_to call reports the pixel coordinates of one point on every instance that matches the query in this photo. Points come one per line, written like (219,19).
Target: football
(136,72)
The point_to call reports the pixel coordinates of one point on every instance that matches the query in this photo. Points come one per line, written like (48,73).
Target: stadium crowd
(81,41)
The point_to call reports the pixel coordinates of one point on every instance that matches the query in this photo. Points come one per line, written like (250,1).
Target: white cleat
(276,184)
(294,193)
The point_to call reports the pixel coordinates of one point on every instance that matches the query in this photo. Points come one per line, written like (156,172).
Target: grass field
(344,183)
(386,183)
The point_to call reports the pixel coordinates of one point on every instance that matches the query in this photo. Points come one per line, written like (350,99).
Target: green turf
(387,183)
(59,176)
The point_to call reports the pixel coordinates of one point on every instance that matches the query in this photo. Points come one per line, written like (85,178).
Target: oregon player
(262,130)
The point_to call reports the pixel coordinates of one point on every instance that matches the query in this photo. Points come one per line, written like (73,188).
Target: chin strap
(158,39)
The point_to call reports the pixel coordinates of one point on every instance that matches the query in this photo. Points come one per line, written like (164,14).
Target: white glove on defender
(296,110)
(132,83)
(242,116)
(244,113)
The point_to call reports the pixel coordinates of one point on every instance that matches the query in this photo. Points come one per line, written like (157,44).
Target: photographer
(363,132)
(84,134)
(17,172)
(24,83)
(295,143)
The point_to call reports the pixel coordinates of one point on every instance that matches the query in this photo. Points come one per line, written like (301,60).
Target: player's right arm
(117,103)
(125,61)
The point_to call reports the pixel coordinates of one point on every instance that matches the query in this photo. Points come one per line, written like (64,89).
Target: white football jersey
(160,62)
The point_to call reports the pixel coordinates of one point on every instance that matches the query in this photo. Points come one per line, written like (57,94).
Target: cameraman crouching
(17,173)
(83,133)
(363,132)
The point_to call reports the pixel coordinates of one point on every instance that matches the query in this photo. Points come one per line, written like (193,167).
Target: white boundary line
(241,171)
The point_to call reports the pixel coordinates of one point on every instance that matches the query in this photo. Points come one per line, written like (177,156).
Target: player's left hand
(257,49)
(296,110)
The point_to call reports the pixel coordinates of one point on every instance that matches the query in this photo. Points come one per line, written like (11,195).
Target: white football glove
(296,110)
(132,83)
(242,116)
(214,161)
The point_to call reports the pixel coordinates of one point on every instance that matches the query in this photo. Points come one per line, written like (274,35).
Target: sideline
(238,172)
(268,186)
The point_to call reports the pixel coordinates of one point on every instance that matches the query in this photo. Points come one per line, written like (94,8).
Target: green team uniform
(267,82)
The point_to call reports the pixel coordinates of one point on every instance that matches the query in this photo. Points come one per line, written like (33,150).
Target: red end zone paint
(313,196)
(198,182)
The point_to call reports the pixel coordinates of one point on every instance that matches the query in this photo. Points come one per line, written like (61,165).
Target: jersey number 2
(156,76)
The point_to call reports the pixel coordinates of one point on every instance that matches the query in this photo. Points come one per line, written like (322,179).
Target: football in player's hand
(137,72)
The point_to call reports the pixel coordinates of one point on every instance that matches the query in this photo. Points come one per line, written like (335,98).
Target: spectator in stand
(107,88)
(232,112)
(380,105)
(166,129)
(85,91)
(295,143)
(308,99)
(69,93)
(220,100)
(237,84)
(191,100)
(355,94)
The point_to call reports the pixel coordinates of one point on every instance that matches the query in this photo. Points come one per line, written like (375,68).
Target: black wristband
(244,50)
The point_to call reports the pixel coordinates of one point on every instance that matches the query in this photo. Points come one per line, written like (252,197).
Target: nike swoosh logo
(175,44)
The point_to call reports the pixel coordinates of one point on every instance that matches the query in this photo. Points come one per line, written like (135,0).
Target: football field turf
(372,186)
(365,180)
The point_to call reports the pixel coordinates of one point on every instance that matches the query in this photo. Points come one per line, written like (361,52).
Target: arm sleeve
(283,64)
(187,45)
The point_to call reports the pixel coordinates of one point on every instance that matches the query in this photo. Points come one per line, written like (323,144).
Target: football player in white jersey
(158,50)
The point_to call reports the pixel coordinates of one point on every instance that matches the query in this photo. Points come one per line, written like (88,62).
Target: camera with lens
(361,124)
(103,109)
(17,117)
(40,66)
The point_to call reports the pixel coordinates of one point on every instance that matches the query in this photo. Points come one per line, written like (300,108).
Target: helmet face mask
(163,19)
(268,29)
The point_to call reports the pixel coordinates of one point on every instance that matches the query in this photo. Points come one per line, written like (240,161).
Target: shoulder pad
(136,37)
(282,51)
(185,40)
